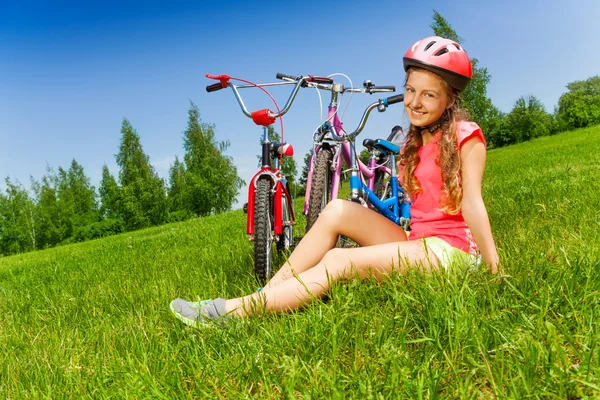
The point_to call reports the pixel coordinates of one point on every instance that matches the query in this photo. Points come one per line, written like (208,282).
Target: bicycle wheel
(379,184)
(321,187)
(263,231)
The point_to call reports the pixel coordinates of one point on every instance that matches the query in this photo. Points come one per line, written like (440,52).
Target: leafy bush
(99,229)
(580,106)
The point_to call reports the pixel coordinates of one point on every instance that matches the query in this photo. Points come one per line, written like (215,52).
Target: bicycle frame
(390,208)
(342,150)
(280,189)
(395,208)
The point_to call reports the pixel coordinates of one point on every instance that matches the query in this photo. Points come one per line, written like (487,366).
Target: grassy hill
(91,320)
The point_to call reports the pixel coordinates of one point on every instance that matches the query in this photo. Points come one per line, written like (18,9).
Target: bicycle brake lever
(223,78)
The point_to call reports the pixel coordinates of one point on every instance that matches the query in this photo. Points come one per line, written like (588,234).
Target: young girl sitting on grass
(442,166)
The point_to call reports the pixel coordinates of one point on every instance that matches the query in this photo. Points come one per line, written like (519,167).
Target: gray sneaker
(199,314)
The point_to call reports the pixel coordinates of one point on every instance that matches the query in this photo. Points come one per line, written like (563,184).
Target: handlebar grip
(214,87)
(320,79)
(281,76)
(391,88)
(394,99)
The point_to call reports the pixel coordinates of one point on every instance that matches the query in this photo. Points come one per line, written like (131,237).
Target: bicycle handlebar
(266,115)
(381,105)
(319,82)
(309,78)
(325,83)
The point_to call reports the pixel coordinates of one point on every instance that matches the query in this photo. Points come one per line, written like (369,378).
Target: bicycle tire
(263,231)
(320,188)
(379,184)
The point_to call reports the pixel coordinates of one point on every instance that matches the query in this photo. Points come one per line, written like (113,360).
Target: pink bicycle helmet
(442,56)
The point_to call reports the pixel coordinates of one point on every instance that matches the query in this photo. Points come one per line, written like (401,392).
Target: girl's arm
(472,154)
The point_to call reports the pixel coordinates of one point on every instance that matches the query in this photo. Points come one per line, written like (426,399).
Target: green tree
(211,179)
(498,134)
(364,156)
(529,119)
(109,196)
(17,220)
(474,98)
(49,214)
(76,199)
(580,106)
(176,193)
(142,193)
(305,161)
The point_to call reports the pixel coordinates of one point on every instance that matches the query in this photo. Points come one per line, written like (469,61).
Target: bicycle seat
(381,145)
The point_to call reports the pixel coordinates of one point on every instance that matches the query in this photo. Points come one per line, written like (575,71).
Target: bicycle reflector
(263,117)
(286,149)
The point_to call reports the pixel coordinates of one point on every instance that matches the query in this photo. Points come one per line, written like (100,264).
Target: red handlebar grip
(319,79)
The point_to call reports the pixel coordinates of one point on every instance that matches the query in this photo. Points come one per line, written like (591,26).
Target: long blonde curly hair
(448,157)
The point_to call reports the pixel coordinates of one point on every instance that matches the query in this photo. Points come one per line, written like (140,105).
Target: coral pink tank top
(427,218)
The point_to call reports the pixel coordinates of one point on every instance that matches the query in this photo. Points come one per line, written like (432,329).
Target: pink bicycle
(333,145)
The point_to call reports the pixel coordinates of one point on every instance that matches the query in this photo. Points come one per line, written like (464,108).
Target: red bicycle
(270,212)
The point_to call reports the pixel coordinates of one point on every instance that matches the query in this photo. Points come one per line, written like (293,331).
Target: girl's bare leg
(340,217)
(336,264)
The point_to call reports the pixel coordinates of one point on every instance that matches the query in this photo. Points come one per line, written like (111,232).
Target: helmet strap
(438,124)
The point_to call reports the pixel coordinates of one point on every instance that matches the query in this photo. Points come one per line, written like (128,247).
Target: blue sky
(71,71)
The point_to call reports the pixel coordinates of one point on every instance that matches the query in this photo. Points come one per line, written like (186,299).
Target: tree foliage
(305,165)
(177,187)
(528,120)
(17,220)
(211,179)
(64,207)
(142,192)
(76,199)
(109,195)
(580,106)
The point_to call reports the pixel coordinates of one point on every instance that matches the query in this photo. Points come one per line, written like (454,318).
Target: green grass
(91,320)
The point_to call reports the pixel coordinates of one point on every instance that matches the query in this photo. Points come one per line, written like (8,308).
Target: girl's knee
(336,262)
(333,256)
(334,210)
(335,206)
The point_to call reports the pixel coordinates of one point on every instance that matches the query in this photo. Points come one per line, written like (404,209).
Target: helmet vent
(429,45)
(442,51)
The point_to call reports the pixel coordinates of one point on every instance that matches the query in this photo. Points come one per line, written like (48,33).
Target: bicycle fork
(278,191)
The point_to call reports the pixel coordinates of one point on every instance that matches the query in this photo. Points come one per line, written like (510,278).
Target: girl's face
(425,97)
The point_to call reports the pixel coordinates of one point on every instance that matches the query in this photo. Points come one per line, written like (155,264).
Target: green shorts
(448,255)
